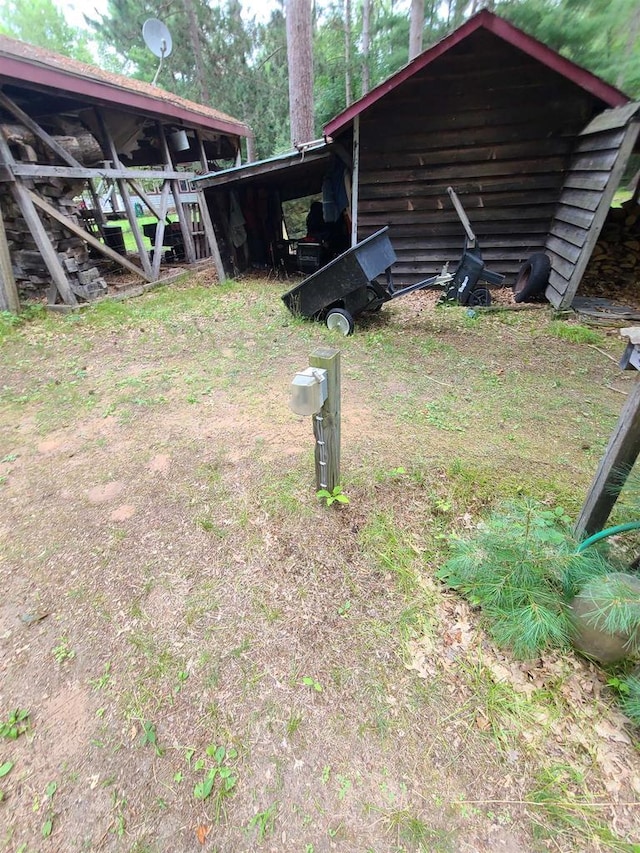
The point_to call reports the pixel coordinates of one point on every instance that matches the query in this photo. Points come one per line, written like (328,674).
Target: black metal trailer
(348,286)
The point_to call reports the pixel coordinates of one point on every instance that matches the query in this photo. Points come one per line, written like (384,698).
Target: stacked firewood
(613,271)
(30,271)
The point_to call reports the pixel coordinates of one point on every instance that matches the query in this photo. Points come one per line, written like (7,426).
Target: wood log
(83,147)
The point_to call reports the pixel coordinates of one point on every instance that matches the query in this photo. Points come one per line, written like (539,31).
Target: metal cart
(348,286)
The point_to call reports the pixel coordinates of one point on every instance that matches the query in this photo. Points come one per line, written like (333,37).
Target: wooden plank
(594,161)
(124,194)
(611,119)
(619,457)
(596,181)
(187,239)
(574,216)
(135,186)
(9,298)
(584,199)
(23,198)
(162,219)
(35,128)
(563,249)
(556,280)
(609,141)
(568,233)
(27,170)
(499,151)
(450,172)
(509,184)
(71,226)
(207,222)
(602,211)
(485,215)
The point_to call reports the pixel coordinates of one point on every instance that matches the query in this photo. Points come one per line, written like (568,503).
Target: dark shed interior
(246,207)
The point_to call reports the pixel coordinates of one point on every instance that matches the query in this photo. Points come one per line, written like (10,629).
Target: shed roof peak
(503,29)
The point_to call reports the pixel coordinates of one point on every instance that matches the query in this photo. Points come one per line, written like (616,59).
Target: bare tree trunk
(300,63)
(194,38)
(348,89)
(416,28)
(366,42)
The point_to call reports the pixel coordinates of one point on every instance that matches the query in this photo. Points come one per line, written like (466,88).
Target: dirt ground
(213,660)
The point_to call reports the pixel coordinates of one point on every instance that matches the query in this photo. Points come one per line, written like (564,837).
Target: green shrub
(521,568)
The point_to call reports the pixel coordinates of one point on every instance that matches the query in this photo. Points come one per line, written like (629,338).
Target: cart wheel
(341,321)
(373,296)
(532,279)
(480,296)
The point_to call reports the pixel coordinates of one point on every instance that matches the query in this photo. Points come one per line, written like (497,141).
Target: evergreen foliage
(521,568)
(41,22)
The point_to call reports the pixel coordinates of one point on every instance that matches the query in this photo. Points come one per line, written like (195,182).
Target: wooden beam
(187,239)
(207,223)
(35,128)
(355,181)
(70,225)
(157,249)
(9,298)
(23,198)
(619,457)
(145,198)
(124,194)
(29,170)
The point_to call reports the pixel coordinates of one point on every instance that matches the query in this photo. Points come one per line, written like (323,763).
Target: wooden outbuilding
(534,145)
(67,131)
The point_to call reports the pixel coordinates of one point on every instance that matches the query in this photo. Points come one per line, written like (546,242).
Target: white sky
(75,9)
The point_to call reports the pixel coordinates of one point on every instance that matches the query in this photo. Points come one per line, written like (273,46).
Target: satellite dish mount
(157,38)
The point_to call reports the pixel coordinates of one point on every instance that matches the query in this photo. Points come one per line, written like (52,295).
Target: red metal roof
(611,96)
(24,64)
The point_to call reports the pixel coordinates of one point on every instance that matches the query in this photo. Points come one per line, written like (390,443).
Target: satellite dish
(157,37)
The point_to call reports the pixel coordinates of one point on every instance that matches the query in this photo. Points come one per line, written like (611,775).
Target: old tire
(532,279)
(480,296)
(341,321)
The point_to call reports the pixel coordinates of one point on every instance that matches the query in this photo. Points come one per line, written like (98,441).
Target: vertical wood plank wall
(487,120)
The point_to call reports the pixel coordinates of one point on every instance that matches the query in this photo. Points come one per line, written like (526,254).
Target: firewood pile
(30,271)
(31,274)
(613,271)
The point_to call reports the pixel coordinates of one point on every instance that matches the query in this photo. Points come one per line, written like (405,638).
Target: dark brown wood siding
(600,156)
(487,120)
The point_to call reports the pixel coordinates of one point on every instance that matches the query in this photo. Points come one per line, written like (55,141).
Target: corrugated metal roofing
(26,65)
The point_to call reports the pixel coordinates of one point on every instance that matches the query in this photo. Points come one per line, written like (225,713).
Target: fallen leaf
(202,832)
(606,730)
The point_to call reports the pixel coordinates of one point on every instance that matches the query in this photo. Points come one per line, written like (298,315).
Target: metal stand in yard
(315,391)
(621,453)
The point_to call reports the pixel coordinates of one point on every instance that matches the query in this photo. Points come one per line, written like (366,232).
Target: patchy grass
(212,656)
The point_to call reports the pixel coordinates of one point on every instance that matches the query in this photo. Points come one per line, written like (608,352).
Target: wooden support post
(162,219)
(24,201)
(126,200)
(70,225)
(619,457)
(9,299)
(206,218)
(326,424)
(187,239)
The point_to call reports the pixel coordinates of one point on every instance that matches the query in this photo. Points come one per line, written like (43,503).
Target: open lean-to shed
(69,132)
(533,144)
